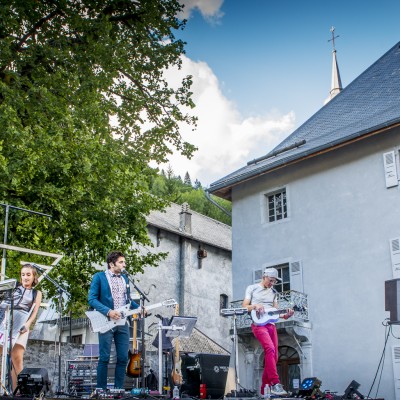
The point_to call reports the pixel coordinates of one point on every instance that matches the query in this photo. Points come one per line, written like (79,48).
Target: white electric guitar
(100,323)
(269,315)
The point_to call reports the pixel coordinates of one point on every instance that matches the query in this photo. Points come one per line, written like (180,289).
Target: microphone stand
(143,298)
(60,291)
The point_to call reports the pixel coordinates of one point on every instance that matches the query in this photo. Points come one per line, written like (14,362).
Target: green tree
(84,107)
(197,184)
(187,180)
(177,191)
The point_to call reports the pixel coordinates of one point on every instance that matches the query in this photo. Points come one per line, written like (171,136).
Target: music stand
(178,327)
(234,312)
(7,285)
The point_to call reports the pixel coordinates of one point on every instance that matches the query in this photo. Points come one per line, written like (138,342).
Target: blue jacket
(100,297)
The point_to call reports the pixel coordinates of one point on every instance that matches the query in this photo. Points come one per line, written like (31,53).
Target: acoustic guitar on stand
(177,371)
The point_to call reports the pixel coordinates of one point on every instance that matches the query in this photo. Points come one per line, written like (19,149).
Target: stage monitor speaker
(210,370)
(392,300)
(33,382)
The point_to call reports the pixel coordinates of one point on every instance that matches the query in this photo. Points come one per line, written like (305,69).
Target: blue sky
(261,68)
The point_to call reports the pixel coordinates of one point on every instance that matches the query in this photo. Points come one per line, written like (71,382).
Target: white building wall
(341,218)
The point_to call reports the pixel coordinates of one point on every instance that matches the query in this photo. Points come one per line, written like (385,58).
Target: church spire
(336,83)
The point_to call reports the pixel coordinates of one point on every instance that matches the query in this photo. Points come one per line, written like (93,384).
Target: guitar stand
(143,298)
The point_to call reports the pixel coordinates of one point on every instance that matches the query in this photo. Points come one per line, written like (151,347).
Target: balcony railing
(289,299)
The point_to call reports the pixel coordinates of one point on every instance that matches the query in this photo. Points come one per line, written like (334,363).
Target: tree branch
(35,27)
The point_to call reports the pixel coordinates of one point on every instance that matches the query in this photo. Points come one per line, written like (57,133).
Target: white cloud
(209,9)
(225,139)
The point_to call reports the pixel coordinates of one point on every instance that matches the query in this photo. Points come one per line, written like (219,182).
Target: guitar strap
(255,288)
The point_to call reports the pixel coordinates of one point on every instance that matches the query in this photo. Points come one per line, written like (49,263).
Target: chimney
(185,221)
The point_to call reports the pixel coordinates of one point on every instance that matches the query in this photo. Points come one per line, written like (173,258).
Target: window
(283,273)
(389,162)
(277,205)
(223,301)
(77,339)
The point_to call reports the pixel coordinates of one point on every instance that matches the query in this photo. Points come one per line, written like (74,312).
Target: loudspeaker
(33,382)
(392,298)
(210,370)
(351,391)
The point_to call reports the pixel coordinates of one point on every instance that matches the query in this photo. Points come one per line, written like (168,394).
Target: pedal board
(242,394)
(109,394)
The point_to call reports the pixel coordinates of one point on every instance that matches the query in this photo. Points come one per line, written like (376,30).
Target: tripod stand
(234,312)
(60,292)
(6,335)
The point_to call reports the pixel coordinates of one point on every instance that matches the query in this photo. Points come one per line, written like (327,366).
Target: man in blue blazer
(108,292)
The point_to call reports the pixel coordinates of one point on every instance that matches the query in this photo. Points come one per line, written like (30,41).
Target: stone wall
(42,354)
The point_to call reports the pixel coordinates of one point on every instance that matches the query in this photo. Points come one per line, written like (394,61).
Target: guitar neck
(276,312)
(177,338)
(134,338)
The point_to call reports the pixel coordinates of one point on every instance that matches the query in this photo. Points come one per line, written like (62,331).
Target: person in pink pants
(260,297)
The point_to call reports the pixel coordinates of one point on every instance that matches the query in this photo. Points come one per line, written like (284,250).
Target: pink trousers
(268,338)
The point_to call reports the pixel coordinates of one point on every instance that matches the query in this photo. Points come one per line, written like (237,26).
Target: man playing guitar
(259,297)
(108,292)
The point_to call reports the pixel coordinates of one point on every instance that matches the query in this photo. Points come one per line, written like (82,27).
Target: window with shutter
(389,162)
(396,369)
(395,256)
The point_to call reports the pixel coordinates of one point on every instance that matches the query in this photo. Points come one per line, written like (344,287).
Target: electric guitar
(177,371)
(101,323)
(269,315)
(134,369)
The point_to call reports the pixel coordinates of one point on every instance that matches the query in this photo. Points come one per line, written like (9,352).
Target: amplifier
(81,377)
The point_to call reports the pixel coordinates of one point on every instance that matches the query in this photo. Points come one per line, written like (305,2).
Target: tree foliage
(84,107)
(168,186)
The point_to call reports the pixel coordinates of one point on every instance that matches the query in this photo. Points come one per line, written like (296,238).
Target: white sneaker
(278,390)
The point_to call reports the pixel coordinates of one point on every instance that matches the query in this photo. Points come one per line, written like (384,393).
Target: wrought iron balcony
(289,299)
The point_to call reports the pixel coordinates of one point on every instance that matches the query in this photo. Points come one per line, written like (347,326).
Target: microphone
(125,272)
(38,268)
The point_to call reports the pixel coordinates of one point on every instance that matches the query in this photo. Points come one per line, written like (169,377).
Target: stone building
(196,273)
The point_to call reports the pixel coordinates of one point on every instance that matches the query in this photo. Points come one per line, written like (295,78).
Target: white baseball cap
(272,273)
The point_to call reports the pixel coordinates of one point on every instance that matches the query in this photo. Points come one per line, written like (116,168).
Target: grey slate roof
(204,229)
(368,104)
(198,342)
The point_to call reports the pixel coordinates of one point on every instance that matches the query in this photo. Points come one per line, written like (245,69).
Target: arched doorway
(288,366)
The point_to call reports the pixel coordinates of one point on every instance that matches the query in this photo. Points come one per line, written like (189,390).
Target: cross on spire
(333,37)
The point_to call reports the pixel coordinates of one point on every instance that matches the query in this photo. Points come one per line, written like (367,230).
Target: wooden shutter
(296,276)
(396,370)
(257,275)
(395,256)
(389,162)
